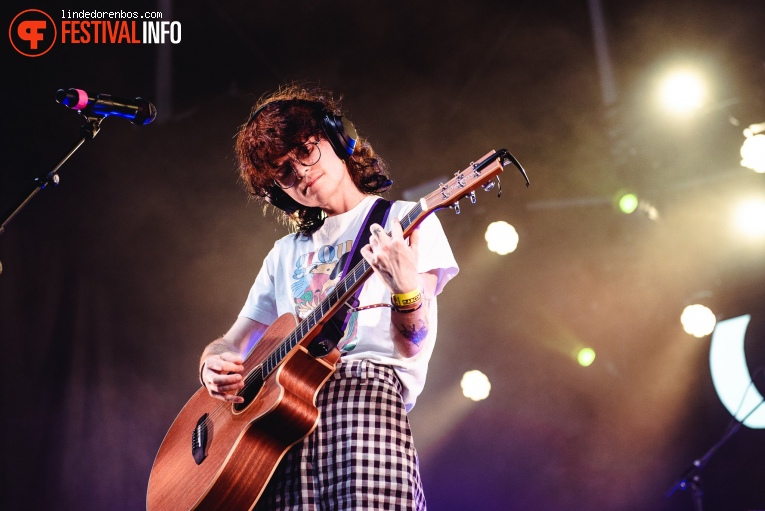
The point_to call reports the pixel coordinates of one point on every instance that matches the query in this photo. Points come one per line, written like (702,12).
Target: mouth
(311,182)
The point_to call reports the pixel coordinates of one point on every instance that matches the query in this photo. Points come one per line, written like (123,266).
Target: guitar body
(241,445)
(220,456)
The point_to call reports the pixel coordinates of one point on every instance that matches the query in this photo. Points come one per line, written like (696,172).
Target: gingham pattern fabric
(359,457)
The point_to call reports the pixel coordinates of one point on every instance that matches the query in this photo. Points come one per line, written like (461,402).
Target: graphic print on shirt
(315,275)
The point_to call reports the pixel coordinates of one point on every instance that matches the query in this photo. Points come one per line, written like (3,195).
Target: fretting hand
(394,260)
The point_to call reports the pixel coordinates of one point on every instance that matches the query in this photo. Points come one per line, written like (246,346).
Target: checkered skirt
(360,456)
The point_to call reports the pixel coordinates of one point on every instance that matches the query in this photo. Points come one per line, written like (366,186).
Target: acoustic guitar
(219,455)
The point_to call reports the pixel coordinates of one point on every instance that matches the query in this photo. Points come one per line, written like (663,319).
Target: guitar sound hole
(252,385)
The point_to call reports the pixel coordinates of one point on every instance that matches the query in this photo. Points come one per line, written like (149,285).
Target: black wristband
(407,311)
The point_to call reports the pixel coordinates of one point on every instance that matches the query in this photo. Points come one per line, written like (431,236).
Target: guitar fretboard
(323,311)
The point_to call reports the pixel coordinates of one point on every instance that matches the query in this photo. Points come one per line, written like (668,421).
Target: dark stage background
(114,282)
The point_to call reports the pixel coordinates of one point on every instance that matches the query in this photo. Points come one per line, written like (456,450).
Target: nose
(300,170)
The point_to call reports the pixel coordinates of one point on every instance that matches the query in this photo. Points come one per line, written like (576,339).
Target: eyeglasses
(306,155)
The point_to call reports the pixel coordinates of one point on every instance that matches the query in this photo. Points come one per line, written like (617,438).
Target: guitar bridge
(199,440)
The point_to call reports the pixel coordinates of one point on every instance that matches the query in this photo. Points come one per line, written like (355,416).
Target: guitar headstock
(466,182)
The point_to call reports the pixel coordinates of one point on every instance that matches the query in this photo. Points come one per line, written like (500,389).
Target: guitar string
(272,361)
(444,191)
(256,375)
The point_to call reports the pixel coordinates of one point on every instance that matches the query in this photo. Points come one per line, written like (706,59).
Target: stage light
(753,149)
(628,203)
(698,320)
(585,357)
(683,92)
(475,385)
(730,372)
(750,218)
(501,237)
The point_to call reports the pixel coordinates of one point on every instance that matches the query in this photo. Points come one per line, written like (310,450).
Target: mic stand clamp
(691,478)
(88,131)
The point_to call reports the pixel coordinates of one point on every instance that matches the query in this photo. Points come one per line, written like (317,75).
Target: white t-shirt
(299,271)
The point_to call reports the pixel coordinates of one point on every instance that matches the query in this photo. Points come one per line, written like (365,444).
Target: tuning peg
(456,207)
(472,198)
(490,185)
(444,190)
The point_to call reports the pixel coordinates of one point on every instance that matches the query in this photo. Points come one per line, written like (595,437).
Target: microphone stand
(691,478)
(88,131)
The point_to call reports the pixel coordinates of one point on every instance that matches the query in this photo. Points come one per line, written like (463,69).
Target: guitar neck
(342,292)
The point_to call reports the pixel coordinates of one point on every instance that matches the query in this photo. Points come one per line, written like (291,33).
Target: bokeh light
(628,203)
(750,218)
(682,92)
(501,237)
(698,320)
(475,385)
(753,153)
(585,357)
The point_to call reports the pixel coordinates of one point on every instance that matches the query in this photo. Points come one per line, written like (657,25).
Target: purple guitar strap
(334,329)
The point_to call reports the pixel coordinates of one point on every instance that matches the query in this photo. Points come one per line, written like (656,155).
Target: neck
(343,201)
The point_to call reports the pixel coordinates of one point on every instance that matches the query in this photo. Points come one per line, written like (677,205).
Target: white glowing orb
(475,385)
(683,92)
(585,357)
(501,237)
(750,218)
(730,373)
(753,153)
(698,320)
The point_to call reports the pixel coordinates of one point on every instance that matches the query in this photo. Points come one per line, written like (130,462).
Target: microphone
(138,110)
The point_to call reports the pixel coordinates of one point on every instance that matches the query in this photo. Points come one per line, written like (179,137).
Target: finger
(377,230)
(224,383)
(231,398)
(396,231)
(234,387)
(379,237)
(216,364)
(229,356)
(414,241)
(226,379)
(368,254)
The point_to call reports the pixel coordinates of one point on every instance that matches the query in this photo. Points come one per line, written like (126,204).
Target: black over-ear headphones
(340,134)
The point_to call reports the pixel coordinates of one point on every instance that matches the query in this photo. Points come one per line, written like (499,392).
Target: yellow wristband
(403,299)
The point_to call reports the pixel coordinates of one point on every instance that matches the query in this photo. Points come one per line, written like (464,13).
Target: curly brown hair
(283,121)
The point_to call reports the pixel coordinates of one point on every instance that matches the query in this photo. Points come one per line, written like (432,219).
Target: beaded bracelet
(408,310)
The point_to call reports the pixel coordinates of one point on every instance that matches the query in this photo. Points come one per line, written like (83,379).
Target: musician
(299,154)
